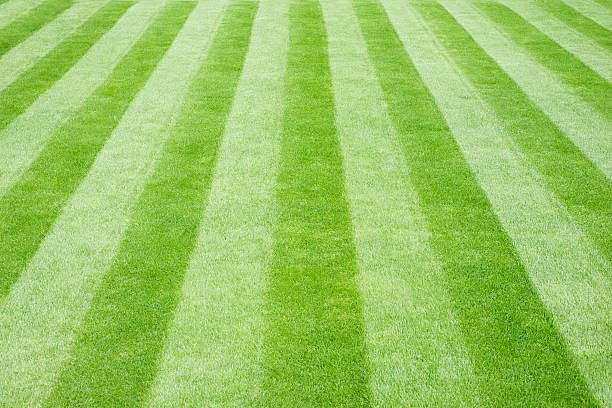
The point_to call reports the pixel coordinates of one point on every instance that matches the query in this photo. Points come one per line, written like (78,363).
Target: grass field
(302,203)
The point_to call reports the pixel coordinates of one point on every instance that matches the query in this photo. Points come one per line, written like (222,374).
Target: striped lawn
(578,21)
(568,272)
(25,25)
(518,355)
(589,130)
(15,98)
(588,51)
(25,137)
(212,355)
(415,349)
(313,203)
(572,71)
(113,361)
(23,56)
(582,188)
(34,202)
(596,12)
(81,246)
(314,351)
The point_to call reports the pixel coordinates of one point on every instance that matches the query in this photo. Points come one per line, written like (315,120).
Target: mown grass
(580,186)
(518,355)
(21,93)
(577,21)
(314,350)
(114,359)
(25,25)
(573,72)
(31,206)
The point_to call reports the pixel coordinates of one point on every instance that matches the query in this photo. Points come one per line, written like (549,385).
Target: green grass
(580,186)
(518,355)
(34,202)
(573,72)
(578,22)
(343,203)
(20,94)
(314,351)
(138,295)
(25,25)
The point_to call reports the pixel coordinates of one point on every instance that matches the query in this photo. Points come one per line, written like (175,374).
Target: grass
(573,177)
(314,352)
(305,203)
(484,274)
(34,19)
(162,232)
(22,92)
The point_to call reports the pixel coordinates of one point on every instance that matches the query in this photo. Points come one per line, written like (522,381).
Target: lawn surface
(300,203)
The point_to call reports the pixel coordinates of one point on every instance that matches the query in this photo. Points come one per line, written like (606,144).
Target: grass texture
(138,295)
(314,348)
(313,203)
(519,356)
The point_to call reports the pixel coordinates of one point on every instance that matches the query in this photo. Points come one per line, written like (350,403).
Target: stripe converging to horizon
(313,203)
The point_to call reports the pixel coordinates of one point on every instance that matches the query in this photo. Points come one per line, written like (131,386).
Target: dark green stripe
(314,347)
(518,356)
(573,72)
(30,207)
(584,190)
(34,19)
(19,95)
(114,359)
(578,22)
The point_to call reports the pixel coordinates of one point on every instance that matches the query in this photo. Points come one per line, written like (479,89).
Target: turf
(578,21)
(315,203)
(483,271)
(575,180)
(314,352)
(21,93)
(34,19)
(138,295)
(571,70)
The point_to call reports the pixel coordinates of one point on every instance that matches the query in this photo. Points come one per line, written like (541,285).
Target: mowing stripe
(113,361)
(23,56)
(415,348)
(212,355)
(24,138)
(13,9)
(567,270)
(573,72)
(577,21)
(583,189)
(590,131)
(314,352)
(34,19)
(36,336)
(596,12)
(30,207)
(518,355)
(16,98)
(590,53)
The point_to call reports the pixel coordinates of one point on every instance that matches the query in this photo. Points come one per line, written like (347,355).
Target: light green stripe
(20,58)
(596,12)
(22,141)
(566,269)
(12,9)
(588,51)
(415,349)
(213,348)
(587,128)
(44,307)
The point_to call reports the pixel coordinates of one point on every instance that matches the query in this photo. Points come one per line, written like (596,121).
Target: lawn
(306,203)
